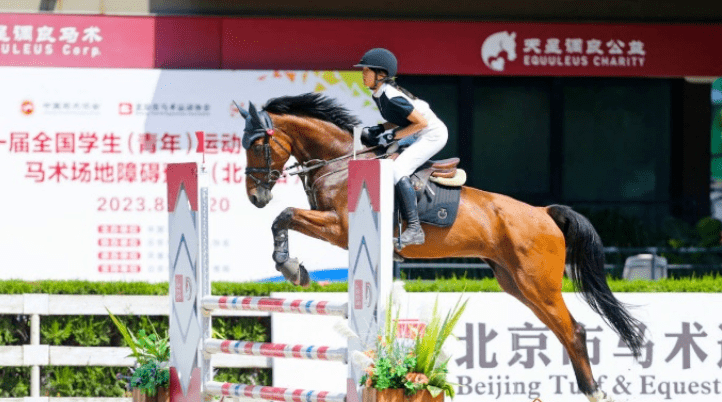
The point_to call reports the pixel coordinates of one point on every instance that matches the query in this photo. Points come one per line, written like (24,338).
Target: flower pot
(397,395)
(161,395)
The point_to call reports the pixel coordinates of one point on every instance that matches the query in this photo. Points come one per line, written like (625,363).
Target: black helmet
(379,58)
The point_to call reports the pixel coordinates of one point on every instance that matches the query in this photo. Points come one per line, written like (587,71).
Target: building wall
(550,10)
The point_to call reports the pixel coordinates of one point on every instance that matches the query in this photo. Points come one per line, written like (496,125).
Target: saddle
(438,189)
(444,172)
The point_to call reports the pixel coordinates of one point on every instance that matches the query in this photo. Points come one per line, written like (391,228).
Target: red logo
(179,288)
(27,108)
(125,108)
(358,294)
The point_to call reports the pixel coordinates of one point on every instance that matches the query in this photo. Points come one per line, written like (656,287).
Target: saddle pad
(440,209)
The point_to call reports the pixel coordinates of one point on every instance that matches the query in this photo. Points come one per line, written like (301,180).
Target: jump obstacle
(370,187)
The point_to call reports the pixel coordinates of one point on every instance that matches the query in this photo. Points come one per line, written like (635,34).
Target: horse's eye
(257,149)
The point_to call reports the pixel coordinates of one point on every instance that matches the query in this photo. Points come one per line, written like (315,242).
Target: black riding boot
(413,233)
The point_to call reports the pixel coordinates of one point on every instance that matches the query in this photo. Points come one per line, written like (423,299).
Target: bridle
(270,175)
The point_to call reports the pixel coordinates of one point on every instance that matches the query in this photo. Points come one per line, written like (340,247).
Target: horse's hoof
(294,272)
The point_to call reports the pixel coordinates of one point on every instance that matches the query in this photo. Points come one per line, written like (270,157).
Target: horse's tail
(585,255)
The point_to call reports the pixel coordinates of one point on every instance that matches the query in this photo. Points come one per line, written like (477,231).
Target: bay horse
(525,246)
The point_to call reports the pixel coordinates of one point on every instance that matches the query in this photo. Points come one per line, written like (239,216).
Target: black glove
(370,135)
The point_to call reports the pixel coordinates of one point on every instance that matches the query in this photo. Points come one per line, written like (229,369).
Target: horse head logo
(494,45)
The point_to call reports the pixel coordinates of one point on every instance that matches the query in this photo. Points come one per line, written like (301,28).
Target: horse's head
(266,154)
(509,44)
(494,46)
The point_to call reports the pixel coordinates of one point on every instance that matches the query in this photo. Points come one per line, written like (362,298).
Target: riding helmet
(379,58)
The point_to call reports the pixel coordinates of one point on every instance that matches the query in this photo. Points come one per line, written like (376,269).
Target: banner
(422,47)
(500,351)
(83,155)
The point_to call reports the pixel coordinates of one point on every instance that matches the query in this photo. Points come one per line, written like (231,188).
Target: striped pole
(275,350)
(271,393)
(314,307)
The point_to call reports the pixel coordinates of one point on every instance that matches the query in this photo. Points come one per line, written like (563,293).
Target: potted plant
(408,362)
(151,376)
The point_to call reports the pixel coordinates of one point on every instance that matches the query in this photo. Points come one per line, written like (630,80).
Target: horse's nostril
(254,199)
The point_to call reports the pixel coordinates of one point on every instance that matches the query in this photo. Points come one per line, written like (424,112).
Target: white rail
(35,355)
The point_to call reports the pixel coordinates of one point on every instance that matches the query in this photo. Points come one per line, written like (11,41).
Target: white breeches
(431,140)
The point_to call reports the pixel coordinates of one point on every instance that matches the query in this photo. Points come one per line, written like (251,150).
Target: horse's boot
(413,233)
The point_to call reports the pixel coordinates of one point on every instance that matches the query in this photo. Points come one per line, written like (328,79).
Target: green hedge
(99,330)
(707,283)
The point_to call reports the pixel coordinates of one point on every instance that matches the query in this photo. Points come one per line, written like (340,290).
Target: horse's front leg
(324,225)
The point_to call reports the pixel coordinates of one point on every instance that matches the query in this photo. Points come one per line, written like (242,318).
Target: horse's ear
(253,112)
(243,111)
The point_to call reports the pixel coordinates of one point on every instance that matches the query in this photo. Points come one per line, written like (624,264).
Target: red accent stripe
(246,303)
(271,304)
(225,387)
(222,303)
(295,305)
(298,395)
(247,347)
(368,171)
(321,307)
(322,396)
(185,175)
(322,352)
(248,390)
(273,349)
(224,346)
(272,393)
(297,351)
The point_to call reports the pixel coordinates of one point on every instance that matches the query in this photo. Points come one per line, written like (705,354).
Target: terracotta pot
(161,395)
(397,395)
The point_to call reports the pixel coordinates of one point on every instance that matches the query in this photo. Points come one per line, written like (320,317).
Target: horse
(526,246)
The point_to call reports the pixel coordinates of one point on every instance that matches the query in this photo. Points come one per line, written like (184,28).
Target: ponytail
(393,83)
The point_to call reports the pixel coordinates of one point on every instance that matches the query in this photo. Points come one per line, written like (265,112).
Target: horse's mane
(314,105)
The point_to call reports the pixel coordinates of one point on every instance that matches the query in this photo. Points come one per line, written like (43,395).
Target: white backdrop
(82,153)
(502,352)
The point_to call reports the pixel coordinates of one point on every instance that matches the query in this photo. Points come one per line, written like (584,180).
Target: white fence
(36,355)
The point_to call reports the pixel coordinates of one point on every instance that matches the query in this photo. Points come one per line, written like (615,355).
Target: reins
(306,167)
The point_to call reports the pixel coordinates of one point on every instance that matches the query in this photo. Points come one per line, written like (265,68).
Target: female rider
(407,115)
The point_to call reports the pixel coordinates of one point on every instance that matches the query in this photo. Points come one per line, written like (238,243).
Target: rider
(408,116)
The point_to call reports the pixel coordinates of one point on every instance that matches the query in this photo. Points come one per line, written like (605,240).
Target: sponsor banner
(76,40)
(526,49)
(500,350)
(84,153)
(444,48)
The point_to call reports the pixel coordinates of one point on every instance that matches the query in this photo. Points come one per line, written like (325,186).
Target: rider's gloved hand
(370,135)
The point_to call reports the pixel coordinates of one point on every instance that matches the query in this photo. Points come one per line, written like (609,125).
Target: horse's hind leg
(543,295)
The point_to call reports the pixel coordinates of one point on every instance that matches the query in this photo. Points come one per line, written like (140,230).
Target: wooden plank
(11,356)
(11,304)
(90,356)
(118,305)
(81,356)
(69,399)
(235,361)
(122,305)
